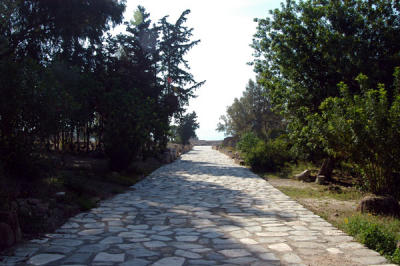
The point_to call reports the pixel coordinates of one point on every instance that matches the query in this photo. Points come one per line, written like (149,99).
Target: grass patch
(336,203)
(376,232)
(289,170)
(322,192)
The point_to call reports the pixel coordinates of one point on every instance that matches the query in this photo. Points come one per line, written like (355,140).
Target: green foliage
(373,235)
(65,82)
(186,128)
(263,155)
(365,129)
(305,48)
(396,256)
(322,192)
(252,112)
(247,142)
(85,203)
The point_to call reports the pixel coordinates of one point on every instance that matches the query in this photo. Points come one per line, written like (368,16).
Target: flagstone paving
(200,210)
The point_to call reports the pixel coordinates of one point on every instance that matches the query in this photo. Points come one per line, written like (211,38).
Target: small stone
(281,247)
(291,258)
(334,250)
(154,244)
(370,260)
(233,253)
(248,241)
(67,242)
(135,262)
(107,257)
(138,227)
(202,262)
(60,194)
(78,258)
(91,232)
(44,258)
(131,235)
(187,238)
(187,254)
(350,245)
(169,261)
(268,256)
(111,240)
(58,249)
(95,248)
(242,260)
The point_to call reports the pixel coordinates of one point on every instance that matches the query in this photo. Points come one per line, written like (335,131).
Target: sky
(225,29)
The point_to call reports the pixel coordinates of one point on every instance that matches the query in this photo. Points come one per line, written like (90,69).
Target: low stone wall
(173,151)
(229,152)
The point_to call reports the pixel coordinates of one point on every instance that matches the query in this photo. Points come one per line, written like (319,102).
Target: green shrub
(247,142)
(263,155)
(365,128)
(376,238)
(396,256)
(85,203)
(373,235)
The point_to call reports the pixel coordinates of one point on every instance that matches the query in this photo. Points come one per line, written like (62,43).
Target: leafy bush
(247,142)
(396,256)
(263,155)
(366,129)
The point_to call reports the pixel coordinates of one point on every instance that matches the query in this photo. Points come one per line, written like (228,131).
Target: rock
(321,179)
(34,201)
(303,175)
(334,188)
(115,175)
(10,222)
(42,259)
(7,238)
(170,261)
(60,194)
(379,205)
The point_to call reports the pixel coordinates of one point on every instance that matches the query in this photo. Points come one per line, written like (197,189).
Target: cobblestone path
(200,210)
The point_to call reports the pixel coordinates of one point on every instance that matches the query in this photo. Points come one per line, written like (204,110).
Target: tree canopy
(67,84)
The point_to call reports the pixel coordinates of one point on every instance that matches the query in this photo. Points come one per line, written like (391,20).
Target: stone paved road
(200,210)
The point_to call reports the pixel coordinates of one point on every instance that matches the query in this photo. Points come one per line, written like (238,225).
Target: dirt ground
(329,208)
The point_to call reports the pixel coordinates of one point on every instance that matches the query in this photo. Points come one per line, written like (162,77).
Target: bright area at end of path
(225,28)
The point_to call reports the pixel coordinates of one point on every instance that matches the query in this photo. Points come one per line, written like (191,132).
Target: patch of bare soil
(286,182)
(331,209)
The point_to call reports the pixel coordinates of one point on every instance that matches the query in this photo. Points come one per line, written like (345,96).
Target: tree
(365,129)
(179,84)
(307,47)
(251,113)
(187,128)
(36,38)
(63,80)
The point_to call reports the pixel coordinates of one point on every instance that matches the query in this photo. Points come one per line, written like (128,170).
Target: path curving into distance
(200,210)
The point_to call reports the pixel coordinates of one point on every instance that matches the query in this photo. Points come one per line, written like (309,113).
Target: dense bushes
(303,50)
(365,129)
(264,155)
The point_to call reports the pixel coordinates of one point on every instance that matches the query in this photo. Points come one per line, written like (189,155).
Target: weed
(396,256)
(85,203)
(343,194)
(376,233)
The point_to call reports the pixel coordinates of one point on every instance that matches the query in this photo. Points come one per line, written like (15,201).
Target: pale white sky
(225,28)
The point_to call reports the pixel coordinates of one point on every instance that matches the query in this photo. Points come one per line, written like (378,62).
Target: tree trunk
(327,168)
(87,137)
(78,143)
